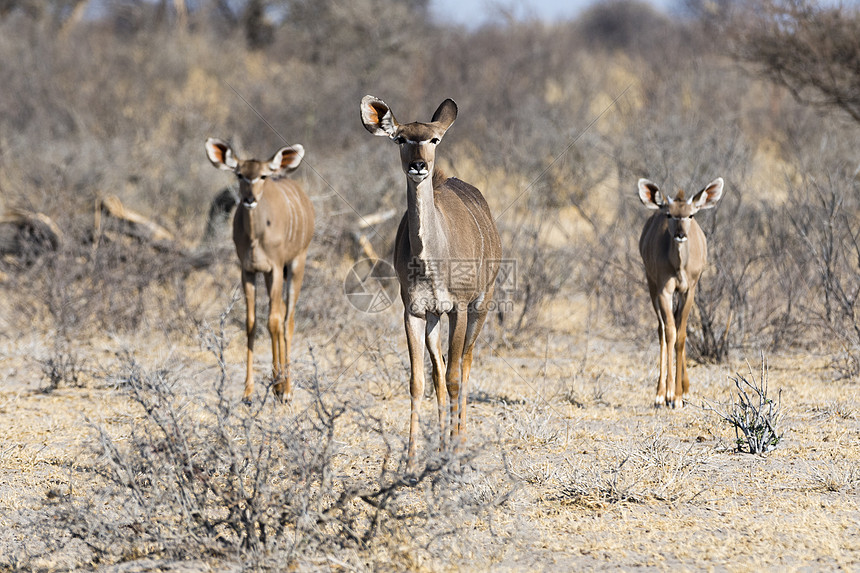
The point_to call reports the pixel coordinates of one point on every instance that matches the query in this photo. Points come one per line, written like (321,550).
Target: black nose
(419,165)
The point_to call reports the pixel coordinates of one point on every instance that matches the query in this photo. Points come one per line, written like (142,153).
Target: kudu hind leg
(295,273)
(458,323)
(475,322)
(250,288)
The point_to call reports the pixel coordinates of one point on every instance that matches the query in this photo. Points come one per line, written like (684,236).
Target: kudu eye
(435,141)
(399,140)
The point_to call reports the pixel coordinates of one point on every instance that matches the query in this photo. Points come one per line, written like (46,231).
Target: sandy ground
(602,479)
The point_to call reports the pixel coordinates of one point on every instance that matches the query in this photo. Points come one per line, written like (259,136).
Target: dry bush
(754,415)
(216,479)
(812,48)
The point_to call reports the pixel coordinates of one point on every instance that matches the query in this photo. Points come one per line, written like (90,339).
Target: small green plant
(754,415)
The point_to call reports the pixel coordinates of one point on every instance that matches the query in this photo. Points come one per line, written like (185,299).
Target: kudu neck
(422,216)
(679,253)
(254,220)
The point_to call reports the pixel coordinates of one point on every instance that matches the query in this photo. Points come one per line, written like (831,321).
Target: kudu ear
(221,154)
(708,197)
(287,158)
(445,114)
(377,118)
(650,194)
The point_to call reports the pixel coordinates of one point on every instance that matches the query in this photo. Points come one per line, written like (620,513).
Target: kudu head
(417,140)
(681,209)
(251,172)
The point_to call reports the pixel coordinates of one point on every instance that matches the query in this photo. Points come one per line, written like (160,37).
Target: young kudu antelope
(675,251)
(446,254)
(272,228)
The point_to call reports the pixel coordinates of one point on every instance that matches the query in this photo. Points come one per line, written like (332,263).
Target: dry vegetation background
(122,442)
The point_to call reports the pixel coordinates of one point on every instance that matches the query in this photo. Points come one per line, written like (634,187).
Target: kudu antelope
(446,254)
(272,228)
(675,251)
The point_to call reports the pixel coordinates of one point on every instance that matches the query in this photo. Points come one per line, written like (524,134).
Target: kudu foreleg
(433,339)
(250,288)
(275,286)
(666,387)
(415,330)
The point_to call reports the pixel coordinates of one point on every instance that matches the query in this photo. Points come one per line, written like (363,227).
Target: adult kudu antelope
(446,254)
(272,228)
(675,251)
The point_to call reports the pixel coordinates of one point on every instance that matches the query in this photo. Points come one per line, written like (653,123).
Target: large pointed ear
(287,158)
(221,154)
(377,117)
(650,195)
(445,114)
(708,197)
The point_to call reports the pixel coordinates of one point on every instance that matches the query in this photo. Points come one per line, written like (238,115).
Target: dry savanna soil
(594,476)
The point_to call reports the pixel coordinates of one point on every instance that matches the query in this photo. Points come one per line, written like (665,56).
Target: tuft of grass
(835,476)
(650,470)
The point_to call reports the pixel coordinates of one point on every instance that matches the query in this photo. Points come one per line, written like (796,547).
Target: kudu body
(447,255)
(675,252)
(272,229)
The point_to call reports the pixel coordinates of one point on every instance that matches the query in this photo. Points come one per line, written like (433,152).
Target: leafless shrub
(256,484)
(63,368)
(809,47)
(754,416)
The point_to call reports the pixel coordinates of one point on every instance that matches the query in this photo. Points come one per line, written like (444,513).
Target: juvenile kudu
(675,251)
(446,254)
(272,228)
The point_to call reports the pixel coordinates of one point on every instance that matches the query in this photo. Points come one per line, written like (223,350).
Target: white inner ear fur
(387,124)
(213,150)
(710,195)
(648,195)
(277,163)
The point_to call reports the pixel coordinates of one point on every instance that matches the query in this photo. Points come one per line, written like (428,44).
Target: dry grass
(601,483)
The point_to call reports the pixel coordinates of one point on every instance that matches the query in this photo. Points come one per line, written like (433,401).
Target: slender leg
(433,340)
(415,330)
(660,398)
(458,322)
(664,301)
(295,274)
(250,287)
(682,383)
(475,322)
(275,286)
